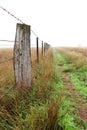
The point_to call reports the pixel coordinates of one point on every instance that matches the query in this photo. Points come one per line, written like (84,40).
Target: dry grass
(35,110)
(44,72)
(75,56)
(81,50)
(34,54)
(7,68)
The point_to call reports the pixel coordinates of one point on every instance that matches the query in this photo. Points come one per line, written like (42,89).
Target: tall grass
(73,56)
(36,109)
(6,70)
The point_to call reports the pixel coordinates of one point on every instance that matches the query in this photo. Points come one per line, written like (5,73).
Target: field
(58,97)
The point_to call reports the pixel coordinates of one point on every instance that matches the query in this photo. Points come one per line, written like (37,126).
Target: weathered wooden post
(46,47)
(42,48)
(37,49)
(22,56)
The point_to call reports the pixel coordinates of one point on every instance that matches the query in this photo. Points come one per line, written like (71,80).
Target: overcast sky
(58,22)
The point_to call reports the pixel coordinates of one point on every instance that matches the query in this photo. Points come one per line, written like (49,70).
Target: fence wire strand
(11,14)
(18,19)
(7,40)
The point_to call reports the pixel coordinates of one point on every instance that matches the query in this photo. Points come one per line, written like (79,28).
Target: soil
(81,103)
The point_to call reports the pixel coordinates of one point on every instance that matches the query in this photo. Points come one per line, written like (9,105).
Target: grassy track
(74,106)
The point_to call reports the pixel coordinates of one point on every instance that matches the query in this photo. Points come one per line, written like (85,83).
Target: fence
(16,63)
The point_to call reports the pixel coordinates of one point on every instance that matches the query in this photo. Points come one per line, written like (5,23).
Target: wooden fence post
(46,47)
(37,49)
(22,56)
(42,48)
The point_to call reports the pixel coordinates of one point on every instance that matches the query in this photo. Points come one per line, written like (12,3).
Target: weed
(36,109)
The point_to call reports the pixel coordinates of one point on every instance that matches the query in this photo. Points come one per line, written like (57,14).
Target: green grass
(78,72)
(79,78)
(68,116)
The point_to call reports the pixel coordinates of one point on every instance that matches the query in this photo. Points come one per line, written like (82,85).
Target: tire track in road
(80,102)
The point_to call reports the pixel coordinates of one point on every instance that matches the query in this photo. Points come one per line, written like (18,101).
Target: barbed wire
(17,19)
(11,14)
(8,40)
(7,60)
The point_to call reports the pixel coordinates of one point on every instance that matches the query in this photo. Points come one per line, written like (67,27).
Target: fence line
(11,14)
(4,9)
(17,19)
(22,52)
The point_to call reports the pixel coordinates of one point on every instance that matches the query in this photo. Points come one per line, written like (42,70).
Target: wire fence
(6,58)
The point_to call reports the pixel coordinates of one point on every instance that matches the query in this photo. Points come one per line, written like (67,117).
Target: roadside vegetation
(57,98)
(34,109)
(74,105)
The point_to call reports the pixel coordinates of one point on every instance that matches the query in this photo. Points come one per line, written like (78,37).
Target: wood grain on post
(22,56)
(37,49)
